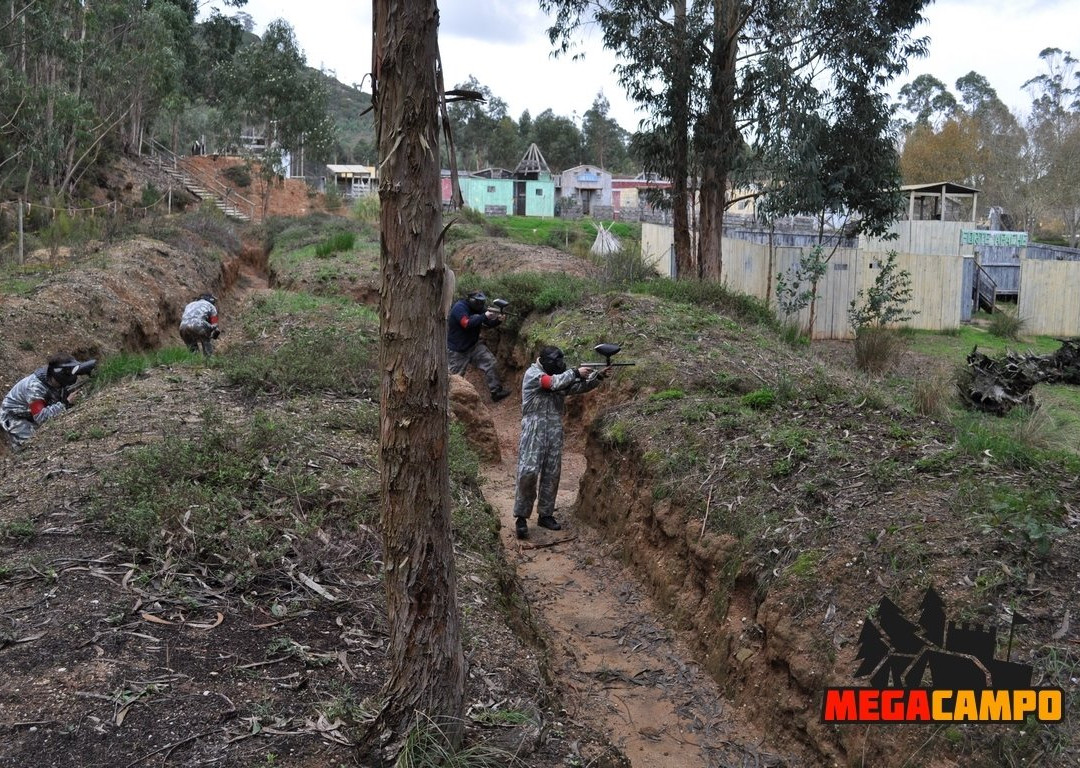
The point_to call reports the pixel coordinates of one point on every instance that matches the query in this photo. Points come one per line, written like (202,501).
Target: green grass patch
(955,345)
(760,399)
(235,498)
(708,294)
(126,365)
(341,241)
(312,359)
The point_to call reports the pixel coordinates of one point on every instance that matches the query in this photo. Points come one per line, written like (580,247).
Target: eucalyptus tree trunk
(719,136)
(680,197)
(427,666)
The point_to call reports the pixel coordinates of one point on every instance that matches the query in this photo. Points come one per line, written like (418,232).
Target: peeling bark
(427,667)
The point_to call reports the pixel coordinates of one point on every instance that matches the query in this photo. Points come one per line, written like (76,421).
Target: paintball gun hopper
(500,306)
(607,351)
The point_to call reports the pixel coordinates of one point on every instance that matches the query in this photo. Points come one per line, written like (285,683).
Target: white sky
(504,45)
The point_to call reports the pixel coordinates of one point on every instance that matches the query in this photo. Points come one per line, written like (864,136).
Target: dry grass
(877,349)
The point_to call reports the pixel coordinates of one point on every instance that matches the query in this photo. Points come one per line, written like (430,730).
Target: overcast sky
(504,45)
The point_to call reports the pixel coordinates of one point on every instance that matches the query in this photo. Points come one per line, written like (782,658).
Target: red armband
(545,381)
(36,407)
(465,321)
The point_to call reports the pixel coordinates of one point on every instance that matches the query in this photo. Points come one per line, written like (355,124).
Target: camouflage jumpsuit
(197,326)
(540,447)
(30,403)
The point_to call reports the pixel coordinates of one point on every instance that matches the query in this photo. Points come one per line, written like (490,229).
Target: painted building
(628,200)
(352,180)
(528,190)
(586,186)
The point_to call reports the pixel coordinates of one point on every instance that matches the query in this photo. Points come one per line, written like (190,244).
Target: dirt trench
(620,669)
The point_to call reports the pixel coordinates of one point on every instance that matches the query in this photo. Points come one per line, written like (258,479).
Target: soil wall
(748,643)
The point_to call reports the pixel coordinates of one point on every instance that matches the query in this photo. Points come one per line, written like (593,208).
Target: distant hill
(356,134)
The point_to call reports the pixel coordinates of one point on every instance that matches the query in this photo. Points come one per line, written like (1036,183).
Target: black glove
(215,333)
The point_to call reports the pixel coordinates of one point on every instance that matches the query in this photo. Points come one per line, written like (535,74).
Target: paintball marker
(607,351)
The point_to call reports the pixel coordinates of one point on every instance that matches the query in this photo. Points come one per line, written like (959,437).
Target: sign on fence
(992,237)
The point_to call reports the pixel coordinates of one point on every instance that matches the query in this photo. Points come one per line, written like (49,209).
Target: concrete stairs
(231,204)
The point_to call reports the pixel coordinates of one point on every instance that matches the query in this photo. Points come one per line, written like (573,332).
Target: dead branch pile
(999,385)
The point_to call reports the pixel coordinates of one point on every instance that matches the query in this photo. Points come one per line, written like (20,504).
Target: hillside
(191,555)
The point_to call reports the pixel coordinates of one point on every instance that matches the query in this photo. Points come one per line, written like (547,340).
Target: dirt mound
(499,257)
(285,197)
(117,298)
(469,409)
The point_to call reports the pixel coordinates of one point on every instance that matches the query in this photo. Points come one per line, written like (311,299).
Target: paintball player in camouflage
(467,317)
(199,324)
(543,393)
(36,399)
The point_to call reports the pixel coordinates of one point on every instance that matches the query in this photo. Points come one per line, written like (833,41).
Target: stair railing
(228,195)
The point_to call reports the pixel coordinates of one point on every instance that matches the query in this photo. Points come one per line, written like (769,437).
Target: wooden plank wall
(657,241)
(1048,304)
(936,282)
(924,237)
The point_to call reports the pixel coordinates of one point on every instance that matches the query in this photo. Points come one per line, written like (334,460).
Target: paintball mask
(67,372)
(477,302)
(209,297)
(551,360)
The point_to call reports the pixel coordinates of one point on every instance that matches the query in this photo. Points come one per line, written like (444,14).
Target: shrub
(1005,325)
(931,395)
(239,175)
(797,289)
(876,348)
(884,303)
(341,241)
(760,399)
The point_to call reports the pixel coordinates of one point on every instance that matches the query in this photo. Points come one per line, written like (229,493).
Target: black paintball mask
(551,360)
(67,372)
(209,297)
(477,302)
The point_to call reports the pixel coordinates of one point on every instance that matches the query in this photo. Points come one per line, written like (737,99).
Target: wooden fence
(937,282)
(1048,303)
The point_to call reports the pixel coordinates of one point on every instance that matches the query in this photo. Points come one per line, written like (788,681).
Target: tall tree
(928,100)
(559,139)
(476,127)
(744,61)
(268,86)
(426,661)
(605,140)
(1054,127)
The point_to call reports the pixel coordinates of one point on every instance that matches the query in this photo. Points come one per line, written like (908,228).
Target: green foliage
(333,198)
(19,528)
(797,288)
(710,294)
(151,196)
(366,211)
(342,241)
(428,745)
(885,302)
(128,364)
(230,497)
(1029,514)
(529,292)
(760,399)
(239,175)
(317,359)
(1006,325)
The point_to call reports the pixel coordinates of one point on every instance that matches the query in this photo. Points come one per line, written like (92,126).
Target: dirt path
(620,670)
